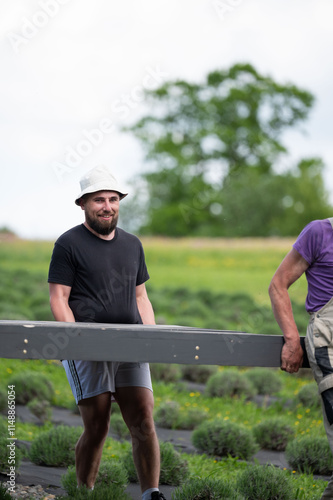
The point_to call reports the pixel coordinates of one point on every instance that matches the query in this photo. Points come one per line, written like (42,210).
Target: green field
(206,283)
(220,265)
(211,283)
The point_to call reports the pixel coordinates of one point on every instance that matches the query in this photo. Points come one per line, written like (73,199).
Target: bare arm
(59,295)
(290,269)
(144,305)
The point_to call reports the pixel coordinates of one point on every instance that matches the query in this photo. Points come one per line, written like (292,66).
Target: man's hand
(291,357)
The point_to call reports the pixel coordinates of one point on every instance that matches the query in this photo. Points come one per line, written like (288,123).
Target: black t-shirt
(103,274)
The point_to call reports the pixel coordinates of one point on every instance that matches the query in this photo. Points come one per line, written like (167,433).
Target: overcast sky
(70,67)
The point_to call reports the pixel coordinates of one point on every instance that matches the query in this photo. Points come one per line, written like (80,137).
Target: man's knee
(97,430)
(95,413)
(142,432)
(141,421)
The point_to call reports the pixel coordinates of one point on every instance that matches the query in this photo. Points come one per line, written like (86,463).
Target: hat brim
(94,190)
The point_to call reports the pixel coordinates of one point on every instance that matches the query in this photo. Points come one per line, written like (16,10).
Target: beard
(102,227)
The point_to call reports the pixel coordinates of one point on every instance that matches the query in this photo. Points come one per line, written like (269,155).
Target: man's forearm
(290,269)
(283,313)
(61,311)
(292,352)
(146,311)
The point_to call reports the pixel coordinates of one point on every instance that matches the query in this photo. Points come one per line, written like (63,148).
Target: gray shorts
(90,378)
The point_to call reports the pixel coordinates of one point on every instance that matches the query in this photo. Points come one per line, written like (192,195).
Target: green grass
(202,466)
(53,369)
(304,421)
(27,432)
(24,254)
(220,265)
(232,266)
(207,283)
(243,267)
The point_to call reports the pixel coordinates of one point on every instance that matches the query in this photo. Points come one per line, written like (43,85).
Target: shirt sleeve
(62,268)
(309,242)
(143,274)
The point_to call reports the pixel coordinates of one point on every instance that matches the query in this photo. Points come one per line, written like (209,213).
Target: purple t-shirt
(315,244)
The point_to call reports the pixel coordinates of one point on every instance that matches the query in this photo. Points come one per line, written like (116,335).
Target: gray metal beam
(151,343)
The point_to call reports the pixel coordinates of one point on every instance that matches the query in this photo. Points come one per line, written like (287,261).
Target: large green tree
(212,150)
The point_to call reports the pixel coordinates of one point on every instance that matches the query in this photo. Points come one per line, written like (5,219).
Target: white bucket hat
(99,179)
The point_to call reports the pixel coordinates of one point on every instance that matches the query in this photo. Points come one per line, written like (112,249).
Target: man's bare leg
(95,413)
(136,405)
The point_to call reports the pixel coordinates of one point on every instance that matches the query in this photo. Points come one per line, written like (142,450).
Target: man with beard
(97,274)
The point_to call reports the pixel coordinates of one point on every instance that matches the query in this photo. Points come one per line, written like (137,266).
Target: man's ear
(82,203)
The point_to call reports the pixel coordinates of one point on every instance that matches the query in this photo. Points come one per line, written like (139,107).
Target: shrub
(229,383)
(222,438)
(55,447)
(265,381)
(4,454)
(170,416)
(198,373)
(174,469)
(3,400)
(202,489)
(308,396)
(4,494)
(273,434)
(167,414)
(30,385)
(41,409)
(100,493)
(310,454)
(191,419)
(69,481)
(180,386)
(110,473)
(115,409)
(3,426)
(128,464)
(165,372)
(265,483)
(119,427)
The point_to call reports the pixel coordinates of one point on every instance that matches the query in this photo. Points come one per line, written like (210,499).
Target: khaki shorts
(319,347)
(90,378)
